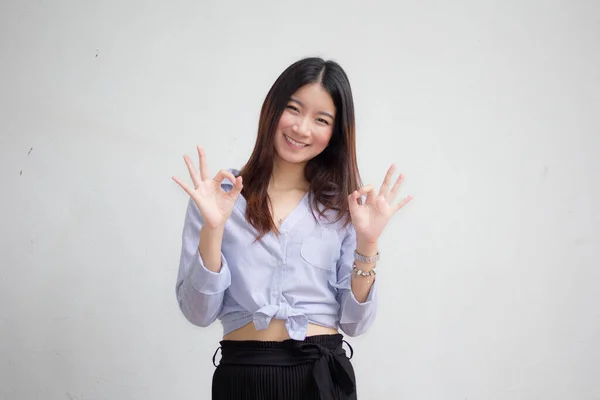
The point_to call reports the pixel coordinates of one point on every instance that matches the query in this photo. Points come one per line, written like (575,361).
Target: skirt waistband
(325,351)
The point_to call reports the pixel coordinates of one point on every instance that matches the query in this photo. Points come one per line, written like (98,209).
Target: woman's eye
(293,108)
(323,121)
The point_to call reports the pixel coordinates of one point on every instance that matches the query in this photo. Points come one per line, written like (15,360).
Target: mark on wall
(21,171)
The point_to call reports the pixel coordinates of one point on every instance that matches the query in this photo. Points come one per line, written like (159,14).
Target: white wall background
(490,278)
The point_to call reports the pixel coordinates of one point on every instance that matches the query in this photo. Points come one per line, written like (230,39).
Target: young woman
(291,260)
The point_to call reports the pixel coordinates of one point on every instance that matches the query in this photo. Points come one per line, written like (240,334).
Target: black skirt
(316,368)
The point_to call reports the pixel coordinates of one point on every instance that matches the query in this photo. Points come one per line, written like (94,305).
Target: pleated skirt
(258,378)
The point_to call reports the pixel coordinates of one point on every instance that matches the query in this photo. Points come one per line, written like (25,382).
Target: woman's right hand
(214,204)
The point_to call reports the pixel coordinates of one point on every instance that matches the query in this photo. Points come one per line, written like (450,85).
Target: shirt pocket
(321,249)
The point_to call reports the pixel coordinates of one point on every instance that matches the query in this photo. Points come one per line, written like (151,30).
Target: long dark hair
(333,174)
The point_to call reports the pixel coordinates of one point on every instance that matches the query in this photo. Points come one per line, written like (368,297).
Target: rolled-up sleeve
(199,291)
(355,317)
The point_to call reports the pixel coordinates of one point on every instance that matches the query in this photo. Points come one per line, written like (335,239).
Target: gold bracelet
(360,272)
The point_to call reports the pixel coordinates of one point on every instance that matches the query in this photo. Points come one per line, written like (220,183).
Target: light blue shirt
(301,276)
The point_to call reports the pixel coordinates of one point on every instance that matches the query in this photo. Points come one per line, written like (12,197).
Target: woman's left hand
(369,219)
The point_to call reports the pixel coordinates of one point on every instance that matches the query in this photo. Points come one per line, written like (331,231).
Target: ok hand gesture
(214,204)
(370,219)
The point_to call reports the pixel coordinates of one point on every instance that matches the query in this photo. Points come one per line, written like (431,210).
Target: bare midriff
(275,332)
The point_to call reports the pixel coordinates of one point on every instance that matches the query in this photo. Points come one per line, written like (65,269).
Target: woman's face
(306,124)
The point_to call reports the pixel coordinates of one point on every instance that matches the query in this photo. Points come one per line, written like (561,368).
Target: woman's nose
(302,127)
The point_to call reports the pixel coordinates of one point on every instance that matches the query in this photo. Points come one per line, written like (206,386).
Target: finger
(394,192)
(193,174)
(222,174)
(203,165)
(385,186)
(368,190)
(185,187)
(353,205)
(402,203)
(237,188)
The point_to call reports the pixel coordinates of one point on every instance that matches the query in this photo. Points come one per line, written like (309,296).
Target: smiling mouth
(294,142)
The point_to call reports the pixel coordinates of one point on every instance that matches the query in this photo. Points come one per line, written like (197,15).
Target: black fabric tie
(328,368)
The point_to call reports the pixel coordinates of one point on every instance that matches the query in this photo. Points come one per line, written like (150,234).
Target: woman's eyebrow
(296,100)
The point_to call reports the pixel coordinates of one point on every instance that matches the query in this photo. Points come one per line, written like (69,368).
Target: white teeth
(292,141)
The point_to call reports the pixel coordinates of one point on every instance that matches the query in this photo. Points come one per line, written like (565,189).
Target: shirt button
(279,262)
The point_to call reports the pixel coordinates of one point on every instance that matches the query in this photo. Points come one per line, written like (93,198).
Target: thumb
(353,205)
(237,188)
